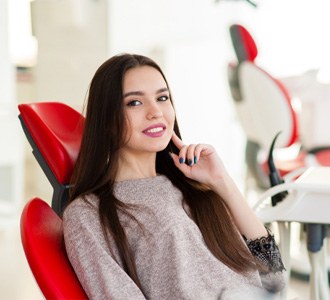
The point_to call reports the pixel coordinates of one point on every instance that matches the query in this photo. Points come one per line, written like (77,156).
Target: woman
(151,217)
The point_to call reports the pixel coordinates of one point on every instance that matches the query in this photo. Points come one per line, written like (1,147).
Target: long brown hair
(97,166)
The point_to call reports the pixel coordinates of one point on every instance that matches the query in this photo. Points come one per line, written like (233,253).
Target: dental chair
(54,131)
(245,49)
(264,107)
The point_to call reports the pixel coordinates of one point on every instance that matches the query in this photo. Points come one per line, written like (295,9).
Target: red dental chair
(54,131)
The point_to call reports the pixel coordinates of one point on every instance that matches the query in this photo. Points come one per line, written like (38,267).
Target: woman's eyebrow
(162,90)
(133,93)
(140,93)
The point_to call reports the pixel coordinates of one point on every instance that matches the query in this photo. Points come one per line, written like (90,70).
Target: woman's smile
(155,131)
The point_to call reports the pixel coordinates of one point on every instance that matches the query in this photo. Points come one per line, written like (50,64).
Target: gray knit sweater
(171,257)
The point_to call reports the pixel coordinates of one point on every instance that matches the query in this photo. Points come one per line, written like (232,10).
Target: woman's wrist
(222,185)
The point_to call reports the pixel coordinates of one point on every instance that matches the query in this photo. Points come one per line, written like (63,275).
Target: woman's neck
(136,167)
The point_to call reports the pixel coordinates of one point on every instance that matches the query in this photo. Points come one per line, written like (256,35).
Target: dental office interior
(50,49)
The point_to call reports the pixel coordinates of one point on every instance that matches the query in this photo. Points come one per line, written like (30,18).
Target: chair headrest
(56,129)
(243,43)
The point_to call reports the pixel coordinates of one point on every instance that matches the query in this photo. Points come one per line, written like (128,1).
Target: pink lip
(155,134)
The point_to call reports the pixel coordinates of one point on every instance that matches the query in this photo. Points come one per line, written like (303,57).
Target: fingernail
(181,160)
(195,159)
(190,162)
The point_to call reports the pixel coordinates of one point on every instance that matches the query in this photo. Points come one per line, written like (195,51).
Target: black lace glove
(266,250)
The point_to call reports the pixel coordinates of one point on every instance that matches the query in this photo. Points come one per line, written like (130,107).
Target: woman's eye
(134,103)
(163,98)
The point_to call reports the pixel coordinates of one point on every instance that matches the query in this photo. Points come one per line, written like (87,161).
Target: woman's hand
(204,165)
(199,162)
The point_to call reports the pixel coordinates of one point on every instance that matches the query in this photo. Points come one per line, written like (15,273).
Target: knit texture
(172,259)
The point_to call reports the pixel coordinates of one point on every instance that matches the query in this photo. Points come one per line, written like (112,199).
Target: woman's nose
(154,112)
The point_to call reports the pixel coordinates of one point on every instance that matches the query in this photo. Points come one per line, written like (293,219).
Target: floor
(17,282)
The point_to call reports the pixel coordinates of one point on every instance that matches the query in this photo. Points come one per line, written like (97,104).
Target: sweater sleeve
(97,270)
(266,251)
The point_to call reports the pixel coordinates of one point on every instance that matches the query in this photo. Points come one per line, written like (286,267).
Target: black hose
(274,176)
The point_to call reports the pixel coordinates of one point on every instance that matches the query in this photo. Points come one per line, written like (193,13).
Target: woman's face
(148,110)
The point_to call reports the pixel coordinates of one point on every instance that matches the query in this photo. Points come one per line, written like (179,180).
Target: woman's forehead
(143,78)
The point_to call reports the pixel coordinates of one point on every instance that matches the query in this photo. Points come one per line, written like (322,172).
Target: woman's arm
(244,217)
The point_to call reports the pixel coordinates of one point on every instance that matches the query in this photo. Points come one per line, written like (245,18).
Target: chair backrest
(54,131)
(42,239)
(243,43)
(265,108)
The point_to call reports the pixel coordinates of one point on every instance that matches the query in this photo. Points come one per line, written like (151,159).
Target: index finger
(176,140)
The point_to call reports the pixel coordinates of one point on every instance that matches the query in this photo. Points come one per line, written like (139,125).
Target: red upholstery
(56,129)
(42,239)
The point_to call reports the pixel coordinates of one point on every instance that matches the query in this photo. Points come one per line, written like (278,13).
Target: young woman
(151,217)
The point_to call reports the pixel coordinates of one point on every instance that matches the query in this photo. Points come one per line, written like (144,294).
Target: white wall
(72,42)
(11,152)
(7,82)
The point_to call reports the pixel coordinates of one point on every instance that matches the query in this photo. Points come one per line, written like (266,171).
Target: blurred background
(50,49)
